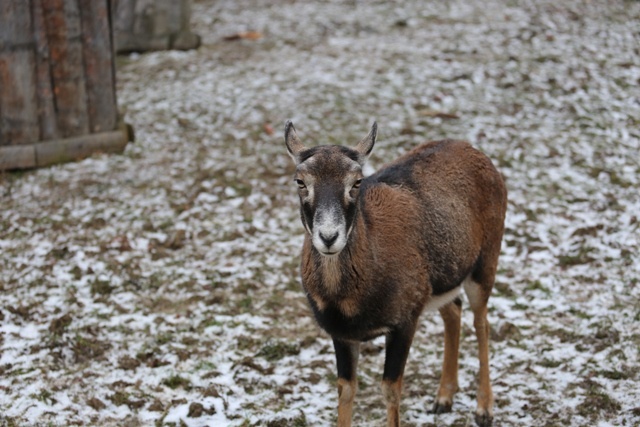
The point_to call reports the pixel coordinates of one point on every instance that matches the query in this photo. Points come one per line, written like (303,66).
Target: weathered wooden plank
(62,23)
(79,147)
(185,15)
(151,18)
(160,17)
(56,60)
(18,104)
(98,63)
(185,40)
(143,17)
(123,15)
(150,27)
(15,25)
(72,14)
(46,106)
(174,16)
(64,150)
(17,157)
(142,25)
(138,26)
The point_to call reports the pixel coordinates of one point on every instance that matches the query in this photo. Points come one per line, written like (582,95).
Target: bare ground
(160,287)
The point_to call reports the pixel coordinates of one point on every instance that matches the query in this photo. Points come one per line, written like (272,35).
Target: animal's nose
(329,240)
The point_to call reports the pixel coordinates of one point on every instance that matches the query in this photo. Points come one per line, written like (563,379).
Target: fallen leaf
(246,35)
(439,114)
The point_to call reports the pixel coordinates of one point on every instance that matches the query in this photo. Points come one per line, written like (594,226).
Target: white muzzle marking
(329,231)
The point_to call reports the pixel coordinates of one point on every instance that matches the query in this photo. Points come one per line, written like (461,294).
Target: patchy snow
(160,287)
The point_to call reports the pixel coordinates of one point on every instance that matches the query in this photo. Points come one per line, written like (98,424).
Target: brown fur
(386,236)
(391,390)
(346,396)
(451,315)
(425,224)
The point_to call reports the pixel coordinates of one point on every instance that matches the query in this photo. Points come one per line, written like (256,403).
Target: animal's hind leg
(451,314)
(478,295)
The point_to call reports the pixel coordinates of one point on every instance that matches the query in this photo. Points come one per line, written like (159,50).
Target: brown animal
(380,250)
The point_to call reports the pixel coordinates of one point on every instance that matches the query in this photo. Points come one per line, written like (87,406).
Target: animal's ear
(294,146)
(365,146)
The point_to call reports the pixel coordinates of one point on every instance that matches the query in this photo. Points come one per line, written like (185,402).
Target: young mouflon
(380,250)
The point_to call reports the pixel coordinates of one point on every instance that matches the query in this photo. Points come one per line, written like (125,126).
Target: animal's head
(328,178)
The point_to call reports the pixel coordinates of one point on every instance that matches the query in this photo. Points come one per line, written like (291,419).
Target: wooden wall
(142,25)
(57,75)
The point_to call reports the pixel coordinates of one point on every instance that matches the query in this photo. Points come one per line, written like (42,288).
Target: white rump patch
(473,291)
(441,300)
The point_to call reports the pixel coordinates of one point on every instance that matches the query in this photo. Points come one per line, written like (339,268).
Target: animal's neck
(341,272)
(331,270)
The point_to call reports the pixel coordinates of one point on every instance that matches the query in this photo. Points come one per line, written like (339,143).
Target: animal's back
(461,203)
(449,165)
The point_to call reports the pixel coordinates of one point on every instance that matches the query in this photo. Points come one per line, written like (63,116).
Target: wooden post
(46,107)
(62,26)
(18,102)
(99,67)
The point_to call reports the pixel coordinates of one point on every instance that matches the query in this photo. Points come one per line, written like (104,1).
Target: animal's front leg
(397,351)
(347,360)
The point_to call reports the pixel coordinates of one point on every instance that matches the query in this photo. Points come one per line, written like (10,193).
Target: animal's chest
(358,319)
(362,327)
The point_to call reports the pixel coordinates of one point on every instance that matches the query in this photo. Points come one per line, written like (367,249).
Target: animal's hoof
(441,407)
(484,419)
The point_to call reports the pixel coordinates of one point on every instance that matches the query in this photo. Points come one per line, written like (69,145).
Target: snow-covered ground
(160,287)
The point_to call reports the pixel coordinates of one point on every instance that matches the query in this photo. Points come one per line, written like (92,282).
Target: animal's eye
(300,183)
(356,185)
